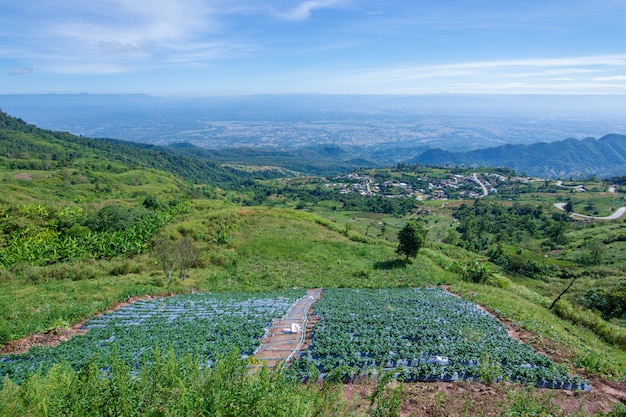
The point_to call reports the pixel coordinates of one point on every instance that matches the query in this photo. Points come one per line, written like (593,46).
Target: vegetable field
(423,335)
(416,334)
(200,324)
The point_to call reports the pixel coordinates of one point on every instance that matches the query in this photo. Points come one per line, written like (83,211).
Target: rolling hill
(603,157)
(25,146)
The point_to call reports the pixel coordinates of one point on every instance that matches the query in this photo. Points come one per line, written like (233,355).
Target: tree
(555,230)
(410,239)
(164,250)
(181,254)
(569,207)
(596,251)
(187,255)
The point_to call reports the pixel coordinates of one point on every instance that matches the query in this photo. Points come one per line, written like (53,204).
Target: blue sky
(217,47)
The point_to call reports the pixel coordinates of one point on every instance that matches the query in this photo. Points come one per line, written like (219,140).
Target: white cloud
(109,36)
(612,78)
(20,71)
(499,76)
(303,10)
(117,47)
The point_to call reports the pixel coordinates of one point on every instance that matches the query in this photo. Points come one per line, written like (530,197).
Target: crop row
(423,334)
(199,324)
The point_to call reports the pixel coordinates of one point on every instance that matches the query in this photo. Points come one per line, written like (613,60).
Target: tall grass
(167,386)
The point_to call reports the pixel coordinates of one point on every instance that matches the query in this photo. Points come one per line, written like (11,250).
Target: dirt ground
(473,399)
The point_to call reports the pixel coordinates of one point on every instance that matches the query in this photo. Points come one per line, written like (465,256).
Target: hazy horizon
(459,122)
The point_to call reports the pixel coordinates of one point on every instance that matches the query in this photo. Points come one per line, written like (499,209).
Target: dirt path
(281,342)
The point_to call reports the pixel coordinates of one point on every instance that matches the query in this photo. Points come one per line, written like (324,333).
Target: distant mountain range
(24,145)
(602,157)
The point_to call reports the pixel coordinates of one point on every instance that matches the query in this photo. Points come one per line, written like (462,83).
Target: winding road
(618,213)
(477,181)
(571,187)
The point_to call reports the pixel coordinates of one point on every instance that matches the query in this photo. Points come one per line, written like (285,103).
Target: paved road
(572,187)
(477,181)
(618,213)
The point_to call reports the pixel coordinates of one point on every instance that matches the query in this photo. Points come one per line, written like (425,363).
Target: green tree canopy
(411,238)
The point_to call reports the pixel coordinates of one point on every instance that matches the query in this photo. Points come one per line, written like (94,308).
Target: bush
(114,217)
(499,281)
(476,271)
(610,302)
(609,332)
(125,268)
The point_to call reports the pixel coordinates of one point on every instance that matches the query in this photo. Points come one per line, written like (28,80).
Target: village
(475,185)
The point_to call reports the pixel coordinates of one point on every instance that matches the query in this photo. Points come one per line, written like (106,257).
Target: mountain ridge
(603,157)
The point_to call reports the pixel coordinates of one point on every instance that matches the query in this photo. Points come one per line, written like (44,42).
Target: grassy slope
(264,249)
(24,146)
(277,249)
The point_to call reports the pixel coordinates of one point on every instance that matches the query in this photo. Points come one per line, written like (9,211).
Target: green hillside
(569,158)
(86,224)
(308,160)
(26,147)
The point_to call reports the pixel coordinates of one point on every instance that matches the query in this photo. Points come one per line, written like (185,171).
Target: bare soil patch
(474,399)
(23,176)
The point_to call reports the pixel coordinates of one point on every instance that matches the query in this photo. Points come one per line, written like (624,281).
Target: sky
(224,47)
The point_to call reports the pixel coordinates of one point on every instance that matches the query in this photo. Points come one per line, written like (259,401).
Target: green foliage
(411,238)
(165,385)
(525,405)
(386,402)
(489,370)
(202,324)
(476,271)
(610,332)
(517,262)
(611,302)
(275,249)
(528,310)
(448,339)
(151,202)
(114,236)
(113,217)
(24,146)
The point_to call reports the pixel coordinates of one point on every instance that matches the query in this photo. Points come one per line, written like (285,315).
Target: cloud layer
(351,46)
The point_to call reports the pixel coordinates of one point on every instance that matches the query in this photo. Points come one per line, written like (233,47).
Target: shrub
(476,271)
(610,302)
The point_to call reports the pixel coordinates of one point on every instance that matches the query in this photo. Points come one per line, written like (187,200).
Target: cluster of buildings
(456,186)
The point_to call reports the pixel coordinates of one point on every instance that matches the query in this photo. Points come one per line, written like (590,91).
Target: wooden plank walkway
(288,335)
